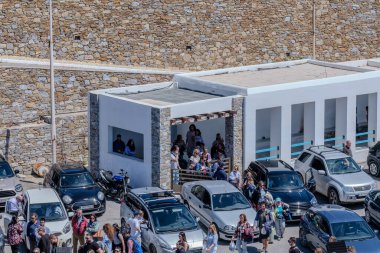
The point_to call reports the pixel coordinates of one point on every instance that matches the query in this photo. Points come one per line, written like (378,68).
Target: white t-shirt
(134,224)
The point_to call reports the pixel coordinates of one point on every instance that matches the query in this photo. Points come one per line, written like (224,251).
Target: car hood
(367,246)
(231,218)
(353,179)
(294,196)
(80,193)
(8,183)
(194,238)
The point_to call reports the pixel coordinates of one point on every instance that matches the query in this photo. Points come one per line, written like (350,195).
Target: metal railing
(268,150)
(367,137)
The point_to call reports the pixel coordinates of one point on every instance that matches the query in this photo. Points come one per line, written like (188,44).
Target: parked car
(372,207)
(322,221)
(285,183)
(9,182)
(373,160)
(218,202)
(77,188)
(166,216)
(45,203)
(336,174)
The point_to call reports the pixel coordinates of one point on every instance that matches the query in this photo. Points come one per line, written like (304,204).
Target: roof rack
(331,149)
(264,163)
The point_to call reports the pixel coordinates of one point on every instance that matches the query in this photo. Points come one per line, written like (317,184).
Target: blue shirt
(31,230)
(212,239)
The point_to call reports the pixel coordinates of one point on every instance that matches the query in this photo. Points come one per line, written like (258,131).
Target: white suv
(46,203)
(336,174)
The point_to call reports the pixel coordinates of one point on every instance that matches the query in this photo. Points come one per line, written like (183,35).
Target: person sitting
(118,145)
(234,177)
(194,160)
(220,174)
(130,149)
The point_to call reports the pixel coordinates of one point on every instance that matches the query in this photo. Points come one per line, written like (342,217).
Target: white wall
(116,112)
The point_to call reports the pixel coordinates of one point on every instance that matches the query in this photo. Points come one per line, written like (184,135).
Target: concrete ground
(113,216)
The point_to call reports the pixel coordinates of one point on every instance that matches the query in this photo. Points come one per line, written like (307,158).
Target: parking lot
(113,216)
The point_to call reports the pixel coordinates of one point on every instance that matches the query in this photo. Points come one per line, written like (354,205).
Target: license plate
(87,207)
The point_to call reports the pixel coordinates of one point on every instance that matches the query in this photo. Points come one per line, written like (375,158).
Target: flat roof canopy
(168,96)
(277,75)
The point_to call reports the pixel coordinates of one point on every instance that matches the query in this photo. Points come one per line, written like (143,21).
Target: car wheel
(302,236)
(334,197)
(373,168)
(152,249)
(367,216)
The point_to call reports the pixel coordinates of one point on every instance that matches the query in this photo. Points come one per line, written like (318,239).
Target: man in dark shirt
(31,228)
(118,145)
(44,242)
(90,245)
(293,248)
(220,174)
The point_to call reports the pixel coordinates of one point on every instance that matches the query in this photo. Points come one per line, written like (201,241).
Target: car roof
(69,168)
(147,190)
(327,153)
(216,186)
(272,165)
(42,195)
(336,214)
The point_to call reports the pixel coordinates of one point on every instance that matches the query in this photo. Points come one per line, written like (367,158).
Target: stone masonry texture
(191,34)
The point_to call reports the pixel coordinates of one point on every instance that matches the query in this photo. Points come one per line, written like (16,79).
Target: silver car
(217,202)
(9,183)
(336,174)
(166,216)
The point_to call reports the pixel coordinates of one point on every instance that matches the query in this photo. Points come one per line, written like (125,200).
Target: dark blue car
(322,221)
(372,207)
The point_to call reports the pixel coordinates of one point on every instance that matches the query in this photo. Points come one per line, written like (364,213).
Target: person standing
(42,225)
(264,222)
(182,246)
(347,148)
(118,240)
(79,225)
(248,186)
(118,145)
(134,224)
(190,140)
(279,222)
(14,205)
(44,242)
(293,247)
(31,228)
(235,177)
(211,241)
(134,246)
(242,234)
(53,242)
(14,234)
(107,237)
(90,245)
(258,195)
(93,225)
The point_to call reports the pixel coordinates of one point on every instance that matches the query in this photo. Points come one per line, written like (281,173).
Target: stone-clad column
(234,133)
(161,174)
(93,128)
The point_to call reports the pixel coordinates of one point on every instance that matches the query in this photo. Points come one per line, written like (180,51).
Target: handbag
(232,246)
(98,234)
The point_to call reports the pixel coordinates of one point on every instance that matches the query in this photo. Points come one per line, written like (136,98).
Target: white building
(262,111)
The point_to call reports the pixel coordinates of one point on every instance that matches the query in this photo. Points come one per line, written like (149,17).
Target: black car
(373,160)
(372,207)
(285,183)
(77,188)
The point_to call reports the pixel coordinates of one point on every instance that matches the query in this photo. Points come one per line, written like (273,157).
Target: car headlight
(67,199)
(373,186)
(67,228)
(100,196)
(313,201)
(18,188)
(229,228)
(164,244)
(348,189)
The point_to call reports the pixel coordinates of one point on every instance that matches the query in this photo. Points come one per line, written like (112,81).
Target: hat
(136,212)
(278,200)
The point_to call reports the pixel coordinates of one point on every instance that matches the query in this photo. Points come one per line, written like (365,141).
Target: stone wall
(191,34)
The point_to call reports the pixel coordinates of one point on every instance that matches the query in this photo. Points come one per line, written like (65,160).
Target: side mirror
(322,172)
(206,207)
(71,214)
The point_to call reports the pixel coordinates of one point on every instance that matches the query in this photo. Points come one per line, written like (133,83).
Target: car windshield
(284,181)
(172,219)
(77,180)
(229,201)
(353,230)
(342,166)
(50,211)
(5,170)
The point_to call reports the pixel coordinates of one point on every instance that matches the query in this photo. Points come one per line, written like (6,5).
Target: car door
(206,206)
(301,164)
(324,232)
(374,207)
(313,228)
(196,203)
(147,233)
(317,165)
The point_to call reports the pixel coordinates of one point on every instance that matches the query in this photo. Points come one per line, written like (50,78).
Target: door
(196,204)
(147,233)
(324,232)
(321,180)
(374,207)
(301,164)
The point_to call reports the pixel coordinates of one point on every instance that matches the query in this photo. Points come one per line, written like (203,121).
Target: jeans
(280,227)
(77,238)
(241,246)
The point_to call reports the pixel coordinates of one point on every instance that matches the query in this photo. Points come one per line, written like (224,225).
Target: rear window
(5,170)
(303,158)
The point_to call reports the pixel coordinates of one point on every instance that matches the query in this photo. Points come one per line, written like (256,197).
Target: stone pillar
(319,122)
(341,119)
(286,133)
(309,122)
(161,174)
(93,128)
(374,114)
(275,129)
(234,133)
